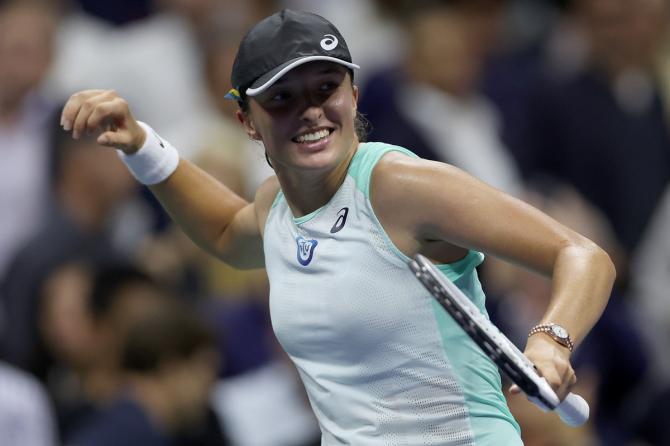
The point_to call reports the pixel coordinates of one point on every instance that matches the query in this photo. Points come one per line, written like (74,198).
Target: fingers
(108,114)
(552,362)
(108,103)
(560,386)
(73,105)
(560,375)
(103,111)
(114,139)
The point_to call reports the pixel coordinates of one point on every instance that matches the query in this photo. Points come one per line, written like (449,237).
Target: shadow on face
(315,95)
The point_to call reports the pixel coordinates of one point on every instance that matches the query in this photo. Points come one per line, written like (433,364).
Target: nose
(310,108)
(312,114)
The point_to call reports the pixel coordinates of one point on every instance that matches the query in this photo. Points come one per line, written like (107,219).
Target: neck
(306,192)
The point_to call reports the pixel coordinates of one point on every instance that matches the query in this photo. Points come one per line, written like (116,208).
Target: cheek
(342,110)
(277,132)
(266,127)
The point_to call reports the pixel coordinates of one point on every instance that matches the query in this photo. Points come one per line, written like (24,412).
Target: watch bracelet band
(548,329)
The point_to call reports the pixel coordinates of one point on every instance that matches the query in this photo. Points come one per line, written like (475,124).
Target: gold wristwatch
(557,332)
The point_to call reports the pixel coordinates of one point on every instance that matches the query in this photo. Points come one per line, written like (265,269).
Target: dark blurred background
(110,316)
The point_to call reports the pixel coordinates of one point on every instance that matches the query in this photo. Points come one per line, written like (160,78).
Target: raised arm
(213,216)
(445,210)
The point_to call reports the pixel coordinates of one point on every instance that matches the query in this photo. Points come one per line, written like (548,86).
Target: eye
(280,96)
(328,86)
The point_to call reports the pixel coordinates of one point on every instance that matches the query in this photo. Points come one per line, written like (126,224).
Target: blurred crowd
(116,329)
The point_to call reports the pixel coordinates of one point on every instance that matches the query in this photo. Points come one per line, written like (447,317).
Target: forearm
(582,282)
(199,204)
(204,208)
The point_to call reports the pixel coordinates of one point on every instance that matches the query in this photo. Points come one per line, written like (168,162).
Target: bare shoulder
(390,177)
(265,196)
(424,205)
(403,193)
(430,190)
(400,177)
(395,166)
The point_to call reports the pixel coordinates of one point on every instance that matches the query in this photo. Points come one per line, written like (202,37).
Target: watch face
(559,331)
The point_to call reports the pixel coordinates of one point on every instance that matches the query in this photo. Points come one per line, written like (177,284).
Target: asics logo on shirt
(341,220)
(329,42)
(305,250)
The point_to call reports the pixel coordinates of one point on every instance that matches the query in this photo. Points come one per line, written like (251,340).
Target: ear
(355,95)
(248,125)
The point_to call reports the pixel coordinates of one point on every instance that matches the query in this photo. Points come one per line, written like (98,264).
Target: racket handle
(573,410)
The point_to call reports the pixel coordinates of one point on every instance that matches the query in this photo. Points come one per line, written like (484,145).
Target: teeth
(313,136)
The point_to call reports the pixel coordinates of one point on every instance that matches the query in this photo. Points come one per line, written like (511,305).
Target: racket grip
(573,410)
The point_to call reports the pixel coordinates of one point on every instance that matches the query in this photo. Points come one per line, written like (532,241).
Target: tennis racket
(573,410)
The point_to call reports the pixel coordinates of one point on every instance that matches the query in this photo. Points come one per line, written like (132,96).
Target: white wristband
(156,160)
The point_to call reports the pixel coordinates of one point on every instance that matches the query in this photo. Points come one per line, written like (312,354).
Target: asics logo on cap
(329,42)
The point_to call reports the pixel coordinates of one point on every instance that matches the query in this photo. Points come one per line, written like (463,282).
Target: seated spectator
(27,31)
(69,336)
(83,317)
(90,187)
(608,117)
(169,362)
(431,103)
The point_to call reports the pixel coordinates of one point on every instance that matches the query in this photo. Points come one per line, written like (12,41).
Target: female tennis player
(382,363)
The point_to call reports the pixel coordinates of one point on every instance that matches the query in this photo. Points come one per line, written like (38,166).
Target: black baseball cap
(281,42)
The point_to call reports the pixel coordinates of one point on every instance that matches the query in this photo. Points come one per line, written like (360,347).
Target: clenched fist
(106,113)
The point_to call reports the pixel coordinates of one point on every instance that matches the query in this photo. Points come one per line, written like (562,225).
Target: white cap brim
(291,65)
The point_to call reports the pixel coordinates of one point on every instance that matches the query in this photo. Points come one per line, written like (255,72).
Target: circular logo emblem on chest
(305,250)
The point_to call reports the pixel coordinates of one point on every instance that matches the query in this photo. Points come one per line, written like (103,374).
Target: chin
(322,160)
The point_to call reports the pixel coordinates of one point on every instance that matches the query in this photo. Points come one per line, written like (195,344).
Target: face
(625,33)
(447,51)
(65,323)
(99,171)
(26,34)
(306,119)
(132,303)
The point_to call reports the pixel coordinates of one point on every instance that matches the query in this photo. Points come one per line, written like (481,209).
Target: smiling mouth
(311,137)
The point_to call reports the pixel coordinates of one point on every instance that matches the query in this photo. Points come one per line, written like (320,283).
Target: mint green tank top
(383,364)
